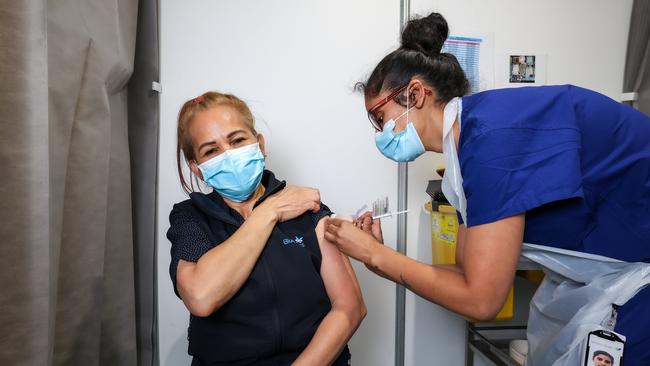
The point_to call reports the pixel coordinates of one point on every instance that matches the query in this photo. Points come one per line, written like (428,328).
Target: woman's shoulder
(189,226)
(185,206)
(187,210)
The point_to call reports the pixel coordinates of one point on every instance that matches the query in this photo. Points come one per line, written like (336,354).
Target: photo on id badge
(604,349)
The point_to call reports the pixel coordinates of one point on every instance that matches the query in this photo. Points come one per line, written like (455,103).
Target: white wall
(584,42)
(295,63)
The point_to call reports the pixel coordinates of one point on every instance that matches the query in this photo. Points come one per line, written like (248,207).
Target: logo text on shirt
(296,240)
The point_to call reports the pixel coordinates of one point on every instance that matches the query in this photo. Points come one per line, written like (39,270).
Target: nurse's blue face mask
(236,173)
(402,146)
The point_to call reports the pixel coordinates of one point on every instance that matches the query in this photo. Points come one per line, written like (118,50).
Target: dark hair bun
(426,34)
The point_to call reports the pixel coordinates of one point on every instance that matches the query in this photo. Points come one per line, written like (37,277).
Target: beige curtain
(67,276)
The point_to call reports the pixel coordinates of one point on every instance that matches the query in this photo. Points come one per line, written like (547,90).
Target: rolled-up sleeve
(323,212)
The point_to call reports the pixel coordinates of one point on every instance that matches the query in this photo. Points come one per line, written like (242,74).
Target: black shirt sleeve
(323,212)
(189,241)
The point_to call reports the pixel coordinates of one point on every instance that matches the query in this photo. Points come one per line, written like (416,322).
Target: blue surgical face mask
(402,146)
(235,174)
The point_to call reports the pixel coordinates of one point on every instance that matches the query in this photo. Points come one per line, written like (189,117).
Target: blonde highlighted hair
(184,143)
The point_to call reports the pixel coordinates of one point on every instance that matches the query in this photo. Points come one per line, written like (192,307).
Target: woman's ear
(416,92)
(260,140)
(195,169)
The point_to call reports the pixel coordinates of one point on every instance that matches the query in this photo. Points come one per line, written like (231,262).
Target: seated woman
(249,260)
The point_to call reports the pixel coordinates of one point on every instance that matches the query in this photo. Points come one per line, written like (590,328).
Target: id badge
(604,348)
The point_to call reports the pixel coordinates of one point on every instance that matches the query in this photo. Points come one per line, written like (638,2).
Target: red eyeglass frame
(373,120)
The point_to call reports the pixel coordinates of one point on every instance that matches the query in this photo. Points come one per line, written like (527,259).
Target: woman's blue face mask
(236,173)
(402,146)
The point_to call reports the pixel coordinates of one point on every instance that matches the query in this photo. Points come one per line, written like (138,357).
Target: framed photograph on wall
(520,69)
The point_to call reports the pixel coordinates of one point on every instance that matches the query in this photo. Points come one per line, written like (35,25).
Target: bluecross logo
(296,240)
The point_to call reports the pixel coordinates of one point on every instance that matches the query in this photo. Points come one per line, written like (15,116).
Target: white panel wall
(295,63)
(585,43)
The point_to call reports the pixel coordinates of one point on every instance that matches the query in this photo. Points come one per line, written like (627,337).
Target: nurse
(557,166)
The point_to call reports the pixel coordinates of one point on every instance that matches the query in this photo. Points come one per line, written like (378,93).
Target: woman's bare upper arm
(340,282)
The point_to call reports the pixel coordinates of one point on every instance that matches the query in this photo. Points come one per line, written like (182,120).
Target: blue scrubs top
(577,163)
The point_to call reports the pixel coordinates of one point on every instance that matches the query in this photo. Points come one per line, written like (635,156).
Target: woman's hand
(367,224)
(292,202)
(350,239)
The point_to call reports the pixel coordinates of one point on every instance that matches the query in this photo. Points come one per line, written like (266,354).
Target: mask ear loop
(408,106)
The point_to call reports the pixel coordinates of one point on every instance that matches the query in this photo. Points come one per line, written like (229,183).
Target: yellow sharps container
(444,233)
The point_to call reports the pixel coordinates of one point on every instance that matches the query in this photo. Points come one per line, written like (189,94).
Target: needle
(389,214)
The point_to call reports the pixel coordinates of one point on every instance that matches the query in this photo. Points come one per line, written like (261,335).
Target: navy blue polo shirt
(276,312)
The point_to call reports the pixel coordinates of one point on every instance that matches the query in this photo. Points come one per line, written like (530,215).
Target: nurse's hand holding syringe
(357,240)
(370,224)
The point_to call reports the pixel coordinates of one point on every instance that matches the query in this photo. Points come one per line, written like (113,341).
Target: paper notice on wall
(467,52)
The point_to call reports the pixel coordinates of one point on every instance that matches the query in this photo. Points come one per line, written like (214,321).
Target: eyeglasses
(377,122)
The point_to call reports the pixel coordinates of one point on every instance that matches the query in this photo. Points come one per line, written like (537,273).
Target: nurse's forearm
(330,339)
(220,273)
(445,285)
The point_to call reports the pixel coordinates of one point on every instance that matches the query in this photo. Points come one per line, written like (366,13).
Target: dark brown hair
(420,55)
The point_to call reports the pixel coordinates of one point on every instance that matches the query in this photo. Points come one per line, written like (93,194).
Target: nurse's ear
(260,140)
(417,93)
